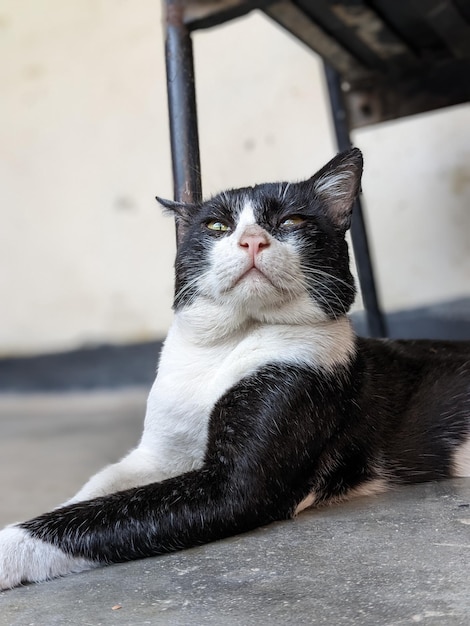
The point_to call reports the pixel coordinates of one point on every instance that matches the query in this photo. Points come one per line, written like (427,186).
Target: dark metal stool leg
(182,105)
(375,318)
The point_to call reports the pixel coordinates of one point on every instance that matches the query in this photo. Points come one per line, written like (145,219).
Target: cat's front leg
(27,558)
(173,442)
(140,467)
(257,470)
(180,512)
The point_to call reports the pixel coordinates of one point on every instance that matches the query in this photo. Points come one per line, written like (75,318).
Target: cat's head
(275,252)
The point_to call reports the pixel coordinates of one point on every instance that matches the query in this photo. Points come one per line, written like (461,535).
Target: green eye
(218,226)
(293,220)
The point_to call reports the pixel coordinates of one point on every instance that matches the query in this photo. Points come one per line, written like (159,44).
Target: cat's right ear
(337,185)
(181,211)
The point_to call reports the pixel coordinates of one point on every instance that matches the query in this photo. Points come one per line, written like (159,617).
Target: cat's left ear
(337,185)
(181,211)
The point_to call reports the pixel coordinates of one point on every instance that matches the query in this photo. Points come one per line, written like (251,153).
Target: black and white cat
(265,401)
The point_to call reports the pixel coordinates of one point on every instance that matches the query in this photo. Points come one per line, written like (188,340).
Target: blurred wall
(86,257)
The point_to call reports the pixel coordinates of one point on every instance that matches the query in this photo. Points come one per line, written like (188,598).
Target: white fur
(306,503)
(277,294)
(335,183)
(140,467)
(370,488)
(282,193)
(239,323)
(23,558)
(461,461)
(194,373)
(192,377)
(215,342)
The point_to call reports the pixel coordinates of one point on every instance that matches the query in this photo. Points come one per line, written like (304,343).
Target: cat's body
(265,401)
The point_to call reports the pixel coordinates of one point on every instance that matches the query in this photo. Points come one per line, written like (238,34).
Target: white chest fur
(192,377)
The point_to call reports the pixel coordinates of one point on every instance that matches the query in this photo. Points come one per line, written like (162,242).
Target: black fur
(270,445)
(395,412)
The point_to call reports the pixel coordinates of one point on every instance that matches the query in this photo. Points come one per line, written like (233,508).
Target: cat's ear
(337,185)
(181,211)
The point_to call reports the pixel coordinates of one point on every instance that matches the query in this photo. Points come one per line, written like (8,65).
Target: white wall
(85,256)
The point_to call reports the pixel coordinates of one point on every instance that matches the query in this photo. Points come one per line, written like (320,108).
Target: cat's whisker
(318,272)
(316,287)
(334,294)
(322,298)
(295,285)
(181,294)
(315,273)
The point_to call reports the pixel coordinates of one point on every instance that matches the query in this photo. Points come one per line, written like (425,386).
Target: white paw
(25,559)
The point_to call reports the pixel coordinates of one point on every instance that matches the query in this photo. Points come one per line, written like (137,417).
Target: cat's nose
(254,240)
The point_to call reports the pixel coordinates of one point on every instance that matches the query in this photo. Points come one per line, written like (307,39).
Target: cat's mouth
(253,274)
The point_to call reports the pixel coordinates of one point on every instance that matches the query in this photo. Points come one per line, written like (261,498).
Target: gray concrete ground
(401,558)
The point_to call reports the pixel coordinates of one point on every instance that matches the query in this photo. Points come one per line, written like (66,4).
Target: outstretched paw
(26,559)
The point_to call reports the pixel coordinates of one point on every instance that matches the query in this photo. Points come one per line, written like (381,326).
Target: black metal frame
(185,145)
(394,59)
(184,137)
(375,318)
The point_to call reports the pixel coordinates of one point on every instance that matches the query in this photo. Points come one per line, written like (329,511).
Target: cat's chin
(258,298)
(208,321)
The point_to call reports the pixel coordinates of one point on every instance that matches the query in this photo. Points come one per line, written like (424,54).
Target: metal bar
(182,105)
(208,13)
(293,19)
(369,28)
(441,85)
(448,23)
(322,12)
(375,318)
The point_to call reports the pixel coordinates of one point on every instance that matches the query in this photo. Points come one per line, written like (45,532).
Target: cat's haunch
(265,401)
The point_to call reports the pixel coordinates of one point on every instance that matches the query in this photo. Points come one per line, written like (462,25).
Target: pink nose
(254,240)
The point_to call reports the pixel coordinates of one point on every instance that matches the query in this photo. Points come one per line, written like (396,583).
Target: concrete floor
(401,558)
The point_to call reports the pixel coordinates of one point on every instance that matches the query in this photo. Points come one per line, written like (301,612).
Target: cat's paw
(26,559)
